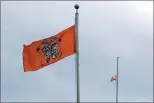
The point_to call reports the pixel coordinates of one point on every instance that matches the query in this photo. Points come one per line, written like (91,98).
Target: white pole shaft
(77,54)
(117,82)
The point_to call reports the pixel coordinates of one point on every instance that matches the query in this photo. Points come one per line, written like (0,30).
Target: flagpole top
(76,6)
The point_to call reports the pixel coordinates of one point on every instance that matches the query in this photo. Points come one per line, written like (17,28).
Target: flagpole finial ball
(76,6)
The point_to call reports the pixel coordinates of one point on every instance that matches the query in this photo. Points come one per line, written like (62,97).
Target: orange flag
(50,50)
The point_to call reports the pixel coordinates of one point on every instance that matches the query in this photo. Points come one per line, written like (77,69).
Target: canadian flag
(113,78)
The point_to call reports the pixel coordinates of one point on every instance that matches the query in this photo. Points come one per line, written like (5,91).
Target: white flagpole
(77,53)
(117,82)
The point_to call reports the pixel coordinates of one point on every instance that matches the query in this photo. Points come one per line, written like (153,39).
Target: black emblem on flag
(49,49)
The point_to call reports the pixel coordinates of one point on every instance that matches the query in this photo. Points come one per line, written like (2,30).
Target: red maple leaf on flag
(113,78)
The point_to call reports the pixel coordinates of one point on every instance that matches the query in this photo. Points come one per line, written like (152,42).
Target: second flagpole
(77,53)
(117,82)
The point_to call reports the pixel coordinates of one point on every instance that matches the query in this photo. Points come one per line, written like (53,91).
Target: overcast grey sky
(106,30)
